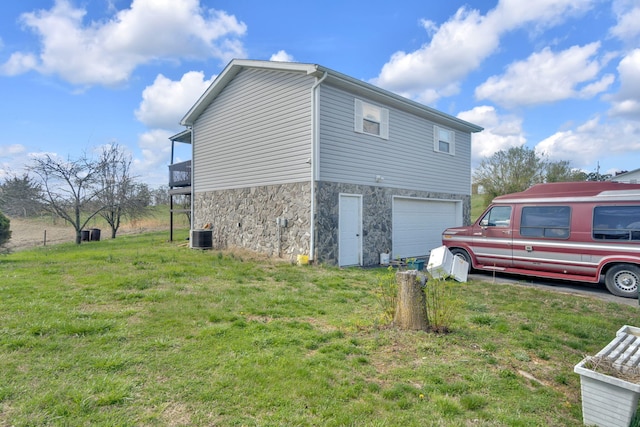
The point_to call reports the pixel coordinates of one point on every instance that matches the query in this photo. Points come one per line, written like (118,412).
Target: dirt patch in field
(29,233)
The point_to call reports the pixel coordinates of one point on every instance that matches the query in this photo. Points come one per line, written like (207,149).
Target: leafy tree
(70,188)
(519,168)
(120,196)
(21,196)
(597,176)
(5,232)
(561,171)
(509,171)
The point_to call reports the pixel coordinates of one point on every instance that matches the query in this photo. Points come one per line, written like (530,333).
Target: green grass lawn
(137,331)
(478,205)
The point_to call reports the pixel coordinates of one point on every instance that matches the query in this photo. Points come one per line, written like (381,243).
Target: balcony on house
(180,174)
(179,180)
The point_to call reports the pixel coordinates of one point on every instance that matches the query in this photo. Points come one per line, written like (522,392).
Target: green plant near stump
(387,293)
(442,306)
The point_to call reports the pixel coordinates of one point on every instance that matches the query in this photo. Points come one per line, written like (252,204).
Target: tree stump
(411,307)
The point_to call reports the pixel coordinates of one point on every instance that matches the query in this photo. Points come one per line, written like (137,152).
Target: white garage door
(418,224)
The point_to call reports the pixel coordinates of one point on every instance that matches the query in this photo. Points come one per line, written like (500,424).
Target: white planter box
(631,330)
(460,269)
(442,263)
(384,258)
(608,401)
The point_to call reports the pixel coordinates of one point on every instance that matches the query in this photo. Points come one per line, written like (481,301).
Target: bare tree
(70,188)
(121,196)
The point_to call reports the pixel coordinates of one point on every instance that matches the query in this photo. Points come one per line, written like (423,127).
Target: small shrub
(441,304)
(5,233)
(387,293)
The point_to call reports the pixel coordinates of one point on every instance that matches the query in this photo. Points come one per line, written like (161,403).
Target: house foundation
(270,219)
(377,221)
(275,219)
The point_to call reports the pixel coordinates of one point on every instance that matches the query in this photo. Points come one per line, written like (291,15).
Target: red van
(569,230)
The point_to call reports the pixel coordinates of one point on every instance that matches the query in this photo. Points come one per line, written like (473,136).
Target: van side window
(545,221)
(616,223)
(498,216)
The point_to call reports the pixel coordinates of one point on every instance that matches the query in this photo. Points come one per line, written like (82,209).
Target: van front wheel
(464,255)
(623,279)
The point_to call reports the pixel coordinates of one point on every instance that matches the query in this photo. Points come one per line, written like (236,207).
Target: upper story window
(443,140)
(371,119)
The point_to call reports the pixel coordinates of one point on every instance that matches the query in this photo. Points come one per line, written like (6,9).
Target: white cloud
(628,15)
(547,76)
(461,44)
(13,149)
(165,102)
(281,56)
(627,101)
(156,152)
(107,52)
(19,63)
(592,141)
(500,132)
(13,158)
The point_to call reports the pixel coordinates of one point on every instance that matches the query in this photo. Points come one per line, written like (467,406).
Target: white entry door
(350,230)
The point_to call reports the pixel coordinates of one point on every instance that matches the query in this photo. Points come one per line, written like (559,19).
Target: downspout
(192,195)
(315,140)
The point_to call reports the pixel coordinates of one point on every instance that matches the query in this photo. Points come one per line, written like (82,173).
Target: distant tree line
(518,168)
(79,190)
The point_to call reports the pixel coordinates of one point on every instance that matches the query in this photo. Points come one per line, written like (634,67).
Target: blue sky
(561,76)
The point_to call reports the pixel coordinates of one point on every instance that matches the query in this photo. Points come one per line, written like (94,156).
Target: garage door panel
(418,225)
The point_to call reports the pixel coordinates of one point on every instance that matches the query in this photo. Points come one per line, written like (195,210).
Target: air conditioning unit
(201,239)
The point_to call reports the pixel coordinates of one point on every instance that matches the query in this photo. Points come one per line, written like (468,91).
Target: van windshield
(616,223)
(497,216)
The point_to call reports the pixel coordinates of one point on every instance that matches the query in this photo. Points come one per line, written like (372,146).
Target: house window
(444,140)
(371,119)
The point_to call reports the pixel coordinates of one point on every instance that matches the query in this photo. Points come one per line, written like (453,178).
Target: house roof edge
(234,67)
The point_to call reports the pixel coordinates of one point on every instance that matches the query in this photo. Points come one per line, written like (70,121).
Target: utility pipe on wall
(315,138)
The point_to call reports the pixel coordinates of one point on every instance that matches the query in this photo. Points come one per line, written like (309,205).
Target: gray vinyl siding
(406,160)
(256,132)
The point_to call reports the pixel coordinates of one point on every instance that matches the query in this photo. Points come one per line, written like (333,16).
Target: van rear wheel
(623,279)
(464,255)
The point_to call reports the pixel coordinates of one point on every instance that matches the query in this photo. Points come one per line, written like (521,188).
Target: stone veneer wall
(246,218)
(377,205)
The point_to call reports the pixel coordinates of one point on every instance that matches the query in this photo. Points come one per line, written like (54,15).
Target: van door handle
(506,231)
